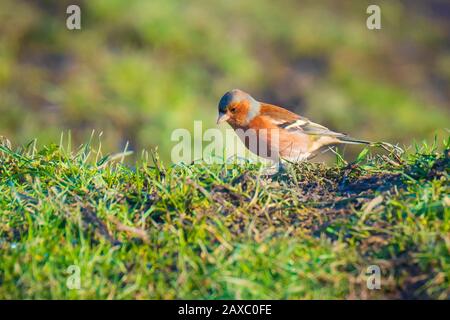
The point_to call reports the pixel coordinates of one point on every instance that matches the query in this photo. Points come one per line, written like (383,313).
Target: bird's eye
(233,110)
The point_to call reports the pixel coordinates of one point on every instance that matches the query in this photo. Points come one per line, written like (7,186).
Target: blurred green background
(139,69)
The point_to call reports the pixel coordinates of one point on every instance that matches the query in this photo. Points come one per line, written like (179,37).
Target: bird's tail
(350,140)
(386,146)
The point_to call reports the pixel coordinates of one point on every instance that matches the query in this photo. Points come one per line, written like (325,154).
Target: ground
(222,231)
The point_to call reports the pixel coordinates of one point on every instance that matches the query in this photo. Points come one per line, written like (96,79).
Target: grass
(222,231)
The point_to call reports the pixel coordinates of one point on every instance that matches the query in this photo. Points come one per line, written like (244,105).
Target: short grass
(222,231)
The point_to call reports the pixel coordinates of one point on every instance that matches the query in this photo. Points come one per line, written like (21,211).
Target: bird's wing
(292,122)
(306,126)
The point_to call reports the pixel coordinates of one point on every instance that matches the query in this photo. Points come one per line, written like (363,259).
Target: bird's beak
(222,117)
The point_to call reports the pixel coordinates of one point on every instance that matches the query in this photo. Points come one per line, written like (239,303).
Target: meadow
(86,216)
(198,231)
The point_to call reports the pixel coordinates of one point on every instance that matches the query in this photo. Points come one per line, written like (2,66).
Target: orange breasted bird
(291,136)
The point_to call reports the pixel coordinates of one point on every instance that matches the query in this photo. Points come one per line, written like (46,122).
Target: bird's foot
(277,169)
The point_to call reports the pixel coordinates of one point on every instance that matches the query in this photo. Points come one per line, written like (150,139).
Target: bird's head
(237,108)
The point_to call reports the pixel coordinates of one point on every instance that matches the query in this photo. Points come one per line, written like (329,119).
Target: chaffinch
(280,133)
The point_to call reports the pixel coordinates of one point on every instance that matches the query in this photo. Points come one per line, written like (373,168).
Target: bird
(278,132)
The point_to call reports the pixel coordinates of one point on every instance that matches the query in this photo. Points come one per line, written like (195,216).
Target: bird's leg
(276,169)
(281,167)
(270,171)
